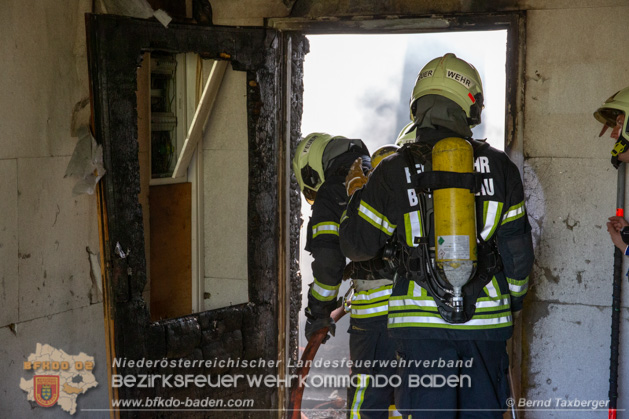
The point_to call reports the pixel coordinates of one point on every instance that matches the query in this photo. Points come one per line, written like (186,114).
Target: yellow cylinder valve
(455,216)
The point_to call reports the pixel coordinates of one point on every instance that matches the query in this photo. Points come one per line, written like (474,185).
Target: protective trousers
(451,379)
(370,394)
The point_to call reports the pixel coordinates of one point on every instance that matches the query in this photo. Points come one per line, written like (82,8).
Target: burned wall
(299,50)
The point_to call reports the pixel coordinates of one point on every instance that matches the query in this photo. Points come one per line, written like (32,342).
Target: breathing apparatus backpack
(450,261)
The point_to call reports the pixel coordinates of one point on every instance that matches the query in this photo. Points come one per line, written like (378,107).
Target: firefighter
(613,114)
(449,213)
(321,163)
(371,392)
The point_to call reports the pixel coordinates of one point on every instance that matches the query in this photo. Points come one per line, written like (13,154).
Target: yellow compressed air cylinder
(454,214)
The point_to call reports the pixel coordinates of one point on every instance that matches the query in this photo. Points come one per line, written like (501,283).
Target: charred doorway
(357,83)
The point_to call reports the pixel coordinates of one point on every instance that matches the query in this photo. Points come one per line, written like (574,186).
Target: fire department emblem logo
(59,378)
(46,389)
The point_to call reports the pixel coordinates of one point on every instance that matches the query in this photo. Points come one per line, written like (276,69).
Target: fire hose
(297,390)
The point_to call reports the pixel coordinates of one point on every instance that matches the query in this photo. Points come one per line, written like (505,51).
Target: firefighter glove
(356,178)
(314,324)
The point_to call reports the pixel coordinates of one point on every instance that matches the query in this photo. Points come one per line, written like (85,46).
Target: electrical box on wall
(168,89)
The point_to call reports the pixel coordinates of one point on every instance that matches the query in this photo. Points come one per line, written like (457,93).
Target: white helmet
(617,104)
(405,136)
(454,79)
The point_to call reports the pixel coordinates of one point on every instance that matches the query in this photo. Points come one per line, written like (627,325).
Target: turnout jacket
(387,206)
(329,263)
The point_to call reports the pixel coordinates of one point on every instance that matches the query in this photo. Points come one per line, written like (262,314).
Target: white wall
(226,169)
(575,59)
(45,281)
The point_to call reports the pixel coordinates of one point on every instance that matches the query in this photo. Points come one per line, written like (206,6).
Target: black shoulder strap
(437,179)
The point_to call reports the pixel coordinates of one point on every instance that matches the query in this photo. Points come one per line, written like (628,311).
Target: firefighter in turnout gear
(371,349)
(448,212)
(320,163)
(613,114)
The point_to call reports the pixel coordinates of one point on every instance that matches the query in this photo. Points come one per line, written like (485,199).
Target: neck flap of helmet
(340,146)
(434,111)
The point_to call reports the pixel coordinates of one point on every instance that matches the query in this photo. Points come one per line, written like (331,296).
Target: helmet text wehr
(460,78)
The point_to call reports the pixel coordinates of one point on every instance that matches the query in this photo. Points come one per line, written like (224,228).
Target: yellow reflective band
(410,303)
(416,290)
(371,303)
(423,319)
(324,292)
(413,228)
(359,396)
(492,289)
(393,413)
(515,212)
(485,304)
(376,219)
(325,228)
(417,309)
(491,215)
(518,288)
(373,310)
(344,216)
(372,295)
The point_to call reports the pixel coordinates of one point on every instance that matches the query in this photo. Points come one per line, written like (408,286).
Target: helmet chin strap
(475,110)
